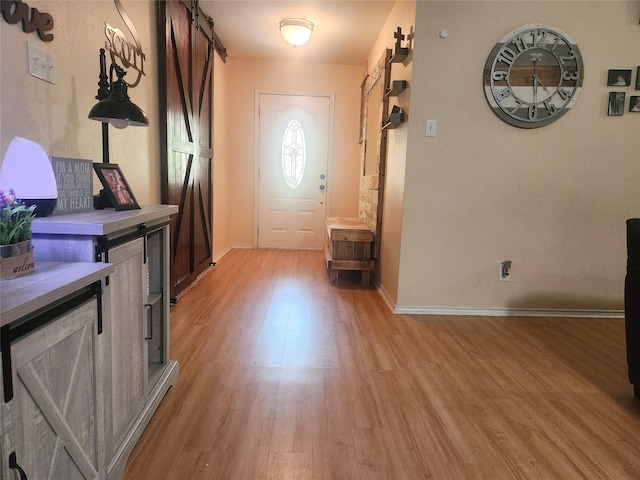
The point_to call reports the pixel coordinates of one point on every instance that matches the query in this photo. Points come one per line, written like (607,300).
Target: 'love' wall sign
(15,11)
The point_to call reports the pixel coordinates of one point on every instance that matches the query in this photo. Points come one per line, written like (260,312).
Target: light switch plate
(41,64)
(431,128)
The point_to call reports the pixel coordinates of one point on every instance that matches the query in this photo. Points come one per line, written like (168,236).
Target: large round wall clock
(533,76)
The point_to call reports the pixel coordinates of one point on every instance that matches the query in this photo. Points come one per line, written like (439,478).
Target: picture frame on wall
(634,105)
(638,78)
(616,104)
(619,78)
(117,192)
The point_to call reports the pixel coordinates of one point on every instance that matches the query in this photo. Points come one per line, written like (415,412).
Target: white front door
(293,158)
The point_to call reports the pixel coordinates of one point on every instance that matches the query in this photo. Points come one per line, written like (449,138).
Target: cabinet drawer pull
(149,306)
(13,464)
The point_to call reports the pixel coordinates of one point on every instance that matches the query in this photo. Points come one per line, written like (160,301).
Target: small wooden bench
(348,247)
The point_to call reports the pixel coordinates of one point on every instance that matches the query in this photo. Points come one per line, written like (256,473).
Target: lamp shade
(27,169)
(296,31)
(118,110)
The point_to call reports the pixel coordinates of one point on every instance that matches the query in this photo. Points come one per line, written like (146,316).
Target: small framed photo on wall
(634,105)
(638,79)
(619,78)
(616,103)
(116,193)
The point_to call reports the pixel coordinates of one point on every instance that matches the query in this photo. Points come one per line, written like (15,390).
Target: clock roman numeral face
(533,76)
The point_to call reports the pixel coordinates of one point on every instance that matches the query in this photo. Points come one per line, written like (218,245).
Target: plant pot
(16,260)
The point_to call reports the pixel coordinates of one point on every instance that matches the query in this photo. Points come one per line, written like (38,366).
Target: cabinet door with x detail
(55,407)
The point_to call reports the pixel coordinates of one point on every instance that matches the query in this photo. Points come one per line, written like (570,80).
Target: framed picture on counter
(116,193)
(74,179)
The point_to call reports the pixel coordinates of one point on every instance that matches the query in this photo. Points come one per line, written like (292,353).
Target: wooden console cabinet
(134,355)
(51,408)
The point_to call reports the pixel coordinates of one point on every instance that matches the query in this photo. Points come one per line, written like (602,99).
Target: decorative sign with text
(16,11)
(130,55)
(74,178)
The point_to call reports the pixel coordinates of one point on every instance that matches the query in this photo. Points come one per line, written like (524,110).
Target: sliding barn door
(186,63)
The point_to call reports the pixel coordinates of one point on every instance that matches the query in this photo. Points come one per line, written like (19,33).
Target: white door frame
(256,153)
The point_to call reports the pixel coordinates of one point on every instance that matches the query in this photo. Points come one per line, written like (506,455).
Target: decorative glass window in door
(294,154)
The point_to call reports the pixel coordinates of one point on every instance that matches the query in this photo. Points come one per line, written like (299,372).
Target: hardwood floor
(284,376)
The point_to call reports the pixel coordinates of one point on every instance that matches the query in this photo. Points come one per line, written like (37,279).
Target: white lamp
(296,31)
(27,169)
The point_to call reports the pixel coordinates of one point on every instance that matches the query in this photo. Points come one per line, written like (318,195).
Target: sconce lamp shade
(296,31)
(118,110)
(114,105)
(27,169)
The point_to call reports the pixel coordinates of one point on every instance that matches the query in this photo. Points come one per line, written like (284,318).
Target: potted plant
(16,252)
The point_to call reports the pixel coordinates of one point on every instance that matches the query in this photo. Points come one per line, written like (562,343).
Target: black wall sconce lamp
(114,106)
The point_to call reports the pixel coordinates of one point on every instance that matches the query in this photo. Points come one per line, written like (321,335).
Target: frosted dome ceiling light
(296,31)
(26,168)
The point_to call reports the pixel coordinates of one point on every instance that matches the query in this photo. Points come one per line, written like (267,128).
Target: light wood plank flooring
(284,376)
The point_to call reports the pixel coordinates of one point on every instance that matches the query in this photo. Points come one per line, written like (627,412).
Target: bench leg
(333,275)
(366,274)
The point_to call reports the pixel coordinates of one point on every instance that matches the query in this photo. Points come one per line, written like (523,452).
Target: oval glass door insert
(294,154)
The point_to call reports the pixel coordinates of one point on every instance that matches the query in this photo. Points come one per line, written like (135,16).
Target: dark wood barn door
(186,67)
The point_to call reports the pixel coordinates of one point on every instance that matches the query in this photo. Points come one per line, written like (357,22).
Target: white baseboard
(508,312)
(494,312)
(221,254)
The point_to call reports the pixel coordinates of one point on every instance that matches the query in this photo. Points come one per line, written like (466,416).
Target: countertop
(100,222)
(50,282)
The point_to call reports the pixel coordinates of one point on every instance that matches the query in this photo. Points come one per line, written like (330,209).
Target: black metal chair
(632,303)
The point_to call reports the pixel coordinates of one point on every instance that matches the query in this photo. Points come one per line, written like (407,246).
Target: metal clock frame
(537,40)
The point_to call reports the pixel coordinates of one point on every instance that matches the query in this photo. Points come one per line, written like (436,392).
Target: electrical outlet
(504,275)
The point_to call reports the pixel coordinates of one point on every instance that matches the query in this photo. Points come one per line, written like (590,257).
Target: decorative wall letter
(14,11)
(117,45)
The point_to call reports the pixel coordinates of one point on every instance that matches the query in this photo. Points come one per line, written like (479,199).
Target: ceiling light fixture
(296,31)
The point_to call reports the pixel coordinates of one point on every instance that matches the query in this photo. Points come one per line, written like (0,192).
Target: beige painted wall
(387,267)
(554,200)
(247,77)
(55,116)
(221,163)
